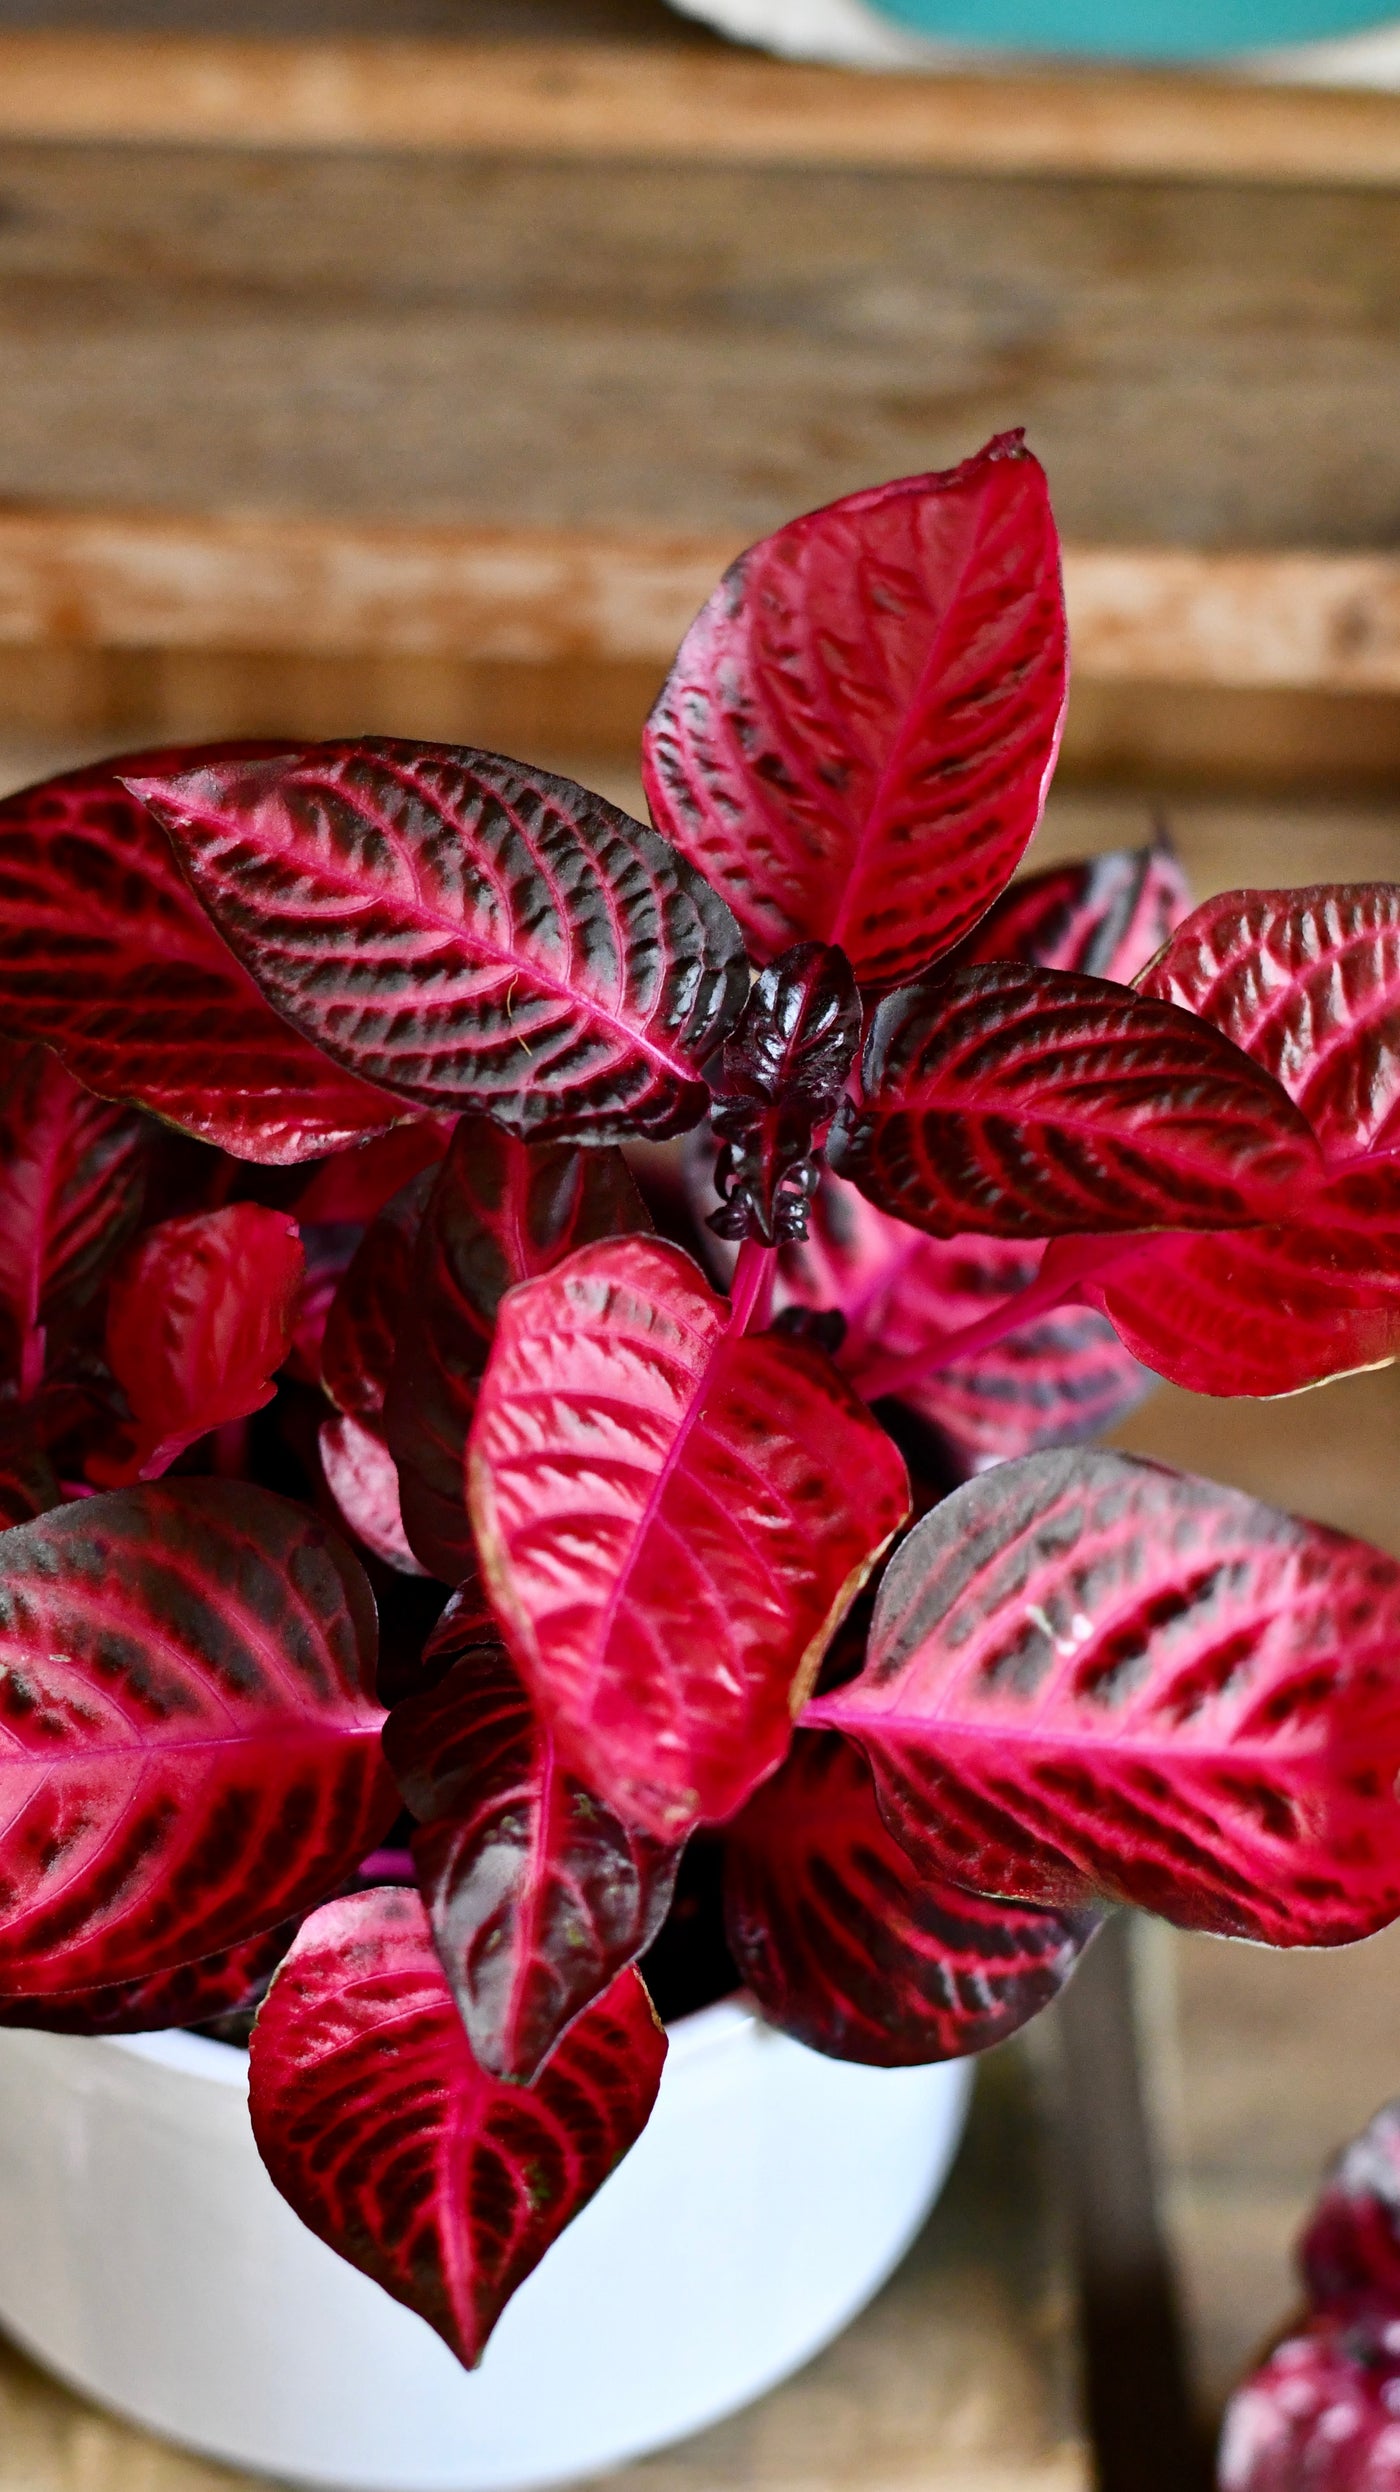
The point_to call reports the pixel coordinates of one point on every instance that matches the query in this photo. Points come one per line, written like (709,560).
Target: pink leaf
(673,1519)
(1090,1676)
(360,1474)
(466,932)
(1350,2251)
(1106,917)
(858,732)
(502,1211)
(194,1994)
(200,1315)
(189,1753)
(847,1946)
(1320,2415)
(537,1893)
(72,1175)
(1027,1102)
(1308,983)
(106,955)
(444,2184)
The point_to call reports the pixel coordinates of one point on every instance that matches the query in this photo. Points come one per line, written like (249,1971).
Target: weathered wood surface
(960,2378)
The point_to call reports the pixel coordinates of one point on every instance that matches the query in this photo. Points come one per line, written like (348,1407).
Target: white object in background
(861,37)
(147,2259)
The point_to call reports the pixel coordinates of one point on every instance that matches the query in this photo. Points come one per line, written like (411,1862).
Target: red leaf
(329,1248)
(537,1894)
(1350,2252)
(355,1185)
(1054,1381)
(445,2185)
(857,735)
(359,1472)
(1319,2415)
(1106,917)
(194,1994)
(106,955)
(502,1211)
(362,1329)
(72,1175)
(466,931)
(1308,983)
(1027,1102)
(28,1486)
(673,1519)
(1268,1310)
(1088,1676)
(200,1315)
(847,1946)
(188,1752)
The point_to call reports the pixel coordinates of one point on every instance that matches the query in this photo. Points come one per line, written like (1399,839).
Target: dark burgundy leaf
(1025,1102)
(1308,983)
(1090,1676)
(199,1317)
(354,1187)
(72,1177)
(194,1994)
(329,1248)
(1350,2251)
(466,932)
(847,1946)
(28,1486)
(360,1474)
(502,1211)
(781,1079)
(188,1751)
(362,1329)
(673,1518)
(106,955)
(537,1893)
(444,2184)
(857,735)
(1320,2415)
(1053,1381)
(1106,917)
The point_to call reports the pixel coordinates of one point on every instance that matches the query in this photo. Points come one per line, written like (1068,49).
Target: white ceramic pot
(146,2258)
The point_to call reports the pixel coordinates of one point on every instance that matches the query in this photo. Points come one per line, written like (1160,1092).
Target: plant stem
(751,1290)
(1044,1296)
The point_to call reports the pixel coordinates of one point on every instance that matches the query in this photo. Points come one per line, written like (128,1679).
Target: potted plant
(982,1154)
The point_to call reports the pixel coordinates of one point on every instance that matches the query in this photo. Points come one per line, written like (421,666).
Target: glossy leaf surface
(1350,2250)
(72,1177)
(360,1473)
(1025,1102)
(537,1893)
(501,1211)
(1320,2415)
(1088,1675)
(466,932)
(107,956)
(847,1946)
(444,2184)
(188,1752)
(1106,917)
(781,1078)
(672,1520)
(366,1315)
(193,1994)
(856,737)
(1308,983)
(200,1315)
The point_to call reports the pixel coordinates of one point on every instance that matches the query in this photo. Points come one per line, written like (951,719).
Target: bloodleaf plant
(486,1285)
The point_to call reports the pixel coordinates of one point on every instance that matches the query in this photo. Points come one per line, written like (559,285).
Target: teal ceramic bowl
(1162,30)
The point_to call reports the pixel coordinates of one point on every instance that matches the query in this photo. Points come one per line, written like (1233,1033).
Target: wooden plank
(328,587)
(666,100)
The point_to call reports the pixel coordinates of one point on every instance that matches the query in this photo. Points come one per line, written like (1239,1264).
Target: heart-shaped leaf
(1054,1381)
(1308,983)
(673,1519)
(360,1473)
(106,955)
(856,738)
(366,1316)
(847,1946)
(188,1750)
(1087,1675)
(1267,1310)
(537,1893)
(1026,1102)
(200,1315)
(444,2184)
(501,1211)
(466,932)
(1350,2251)
(1106,917)
(194,1994)
(72,1177)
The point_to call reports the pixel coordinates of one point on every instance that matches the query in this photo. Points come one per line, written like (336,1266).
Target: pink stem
(751,1290)
(1064,1288)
